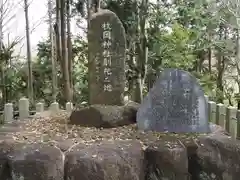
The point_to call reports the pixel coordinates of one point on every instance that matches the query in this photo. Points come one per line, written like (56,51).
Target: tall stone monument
(107,46)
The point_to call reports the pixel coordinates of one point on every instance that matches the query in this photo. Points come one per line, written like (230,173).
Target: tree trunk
(69,47)
(238,59)
(210,49)
(95,5)
(220,68)
(199,62)
(67,89)
(3,86)
(29,58)
(210,60)
(142,51)
(52,40)
(58,43)
(89,14)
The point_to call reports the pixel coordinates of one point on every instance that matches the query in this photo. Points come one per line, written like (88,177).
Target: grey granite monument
(107,46)
(176,103)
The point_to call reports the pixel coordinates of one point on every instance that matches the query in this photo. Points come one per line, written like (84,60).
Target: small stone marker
(8,112)
(176,103)
(54,107)
(69,106)
(39,107)
(107,53)
(23,108)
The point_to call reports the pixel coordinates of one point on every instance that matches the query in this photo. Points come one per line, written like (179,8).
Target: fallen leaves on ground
(49,127)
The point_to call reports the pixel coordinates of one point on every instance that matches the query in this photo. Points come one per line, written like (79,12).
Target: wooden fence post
(212,111)
(8,112)
(23,108)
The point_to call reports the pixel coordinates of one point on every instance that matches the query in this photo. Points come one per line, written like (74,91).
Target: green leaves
(42,71)
(175,48)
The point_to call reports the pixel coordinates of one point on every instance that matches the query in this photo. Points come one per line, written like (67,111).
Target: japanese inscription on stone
(176,103)
(107,46)
(106,56)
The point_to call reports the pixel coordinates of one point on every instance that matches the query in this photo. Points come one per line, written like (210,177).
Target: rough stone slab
(165,156)
(6,147)
(218,158)
(36,162)
(122,160)
(104,116)
(167,160)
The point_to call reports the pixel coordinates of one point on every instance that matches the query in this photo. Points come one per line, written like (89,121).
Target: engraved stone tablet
(107,46)
(176,103)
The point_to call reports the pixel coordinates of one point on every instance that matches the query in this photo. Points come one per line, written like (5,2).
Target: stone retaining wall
(211,157)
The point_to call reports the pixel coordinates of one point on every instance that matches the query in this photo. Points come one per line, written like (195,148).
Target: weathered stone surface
(218,158)
(105,116)
(166,160)
(7,130)
(6,147)
(122,160)
(217,129)
(146,156)
(65,145)
(36,161)
(107,46)
(132,104)
(176,103)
